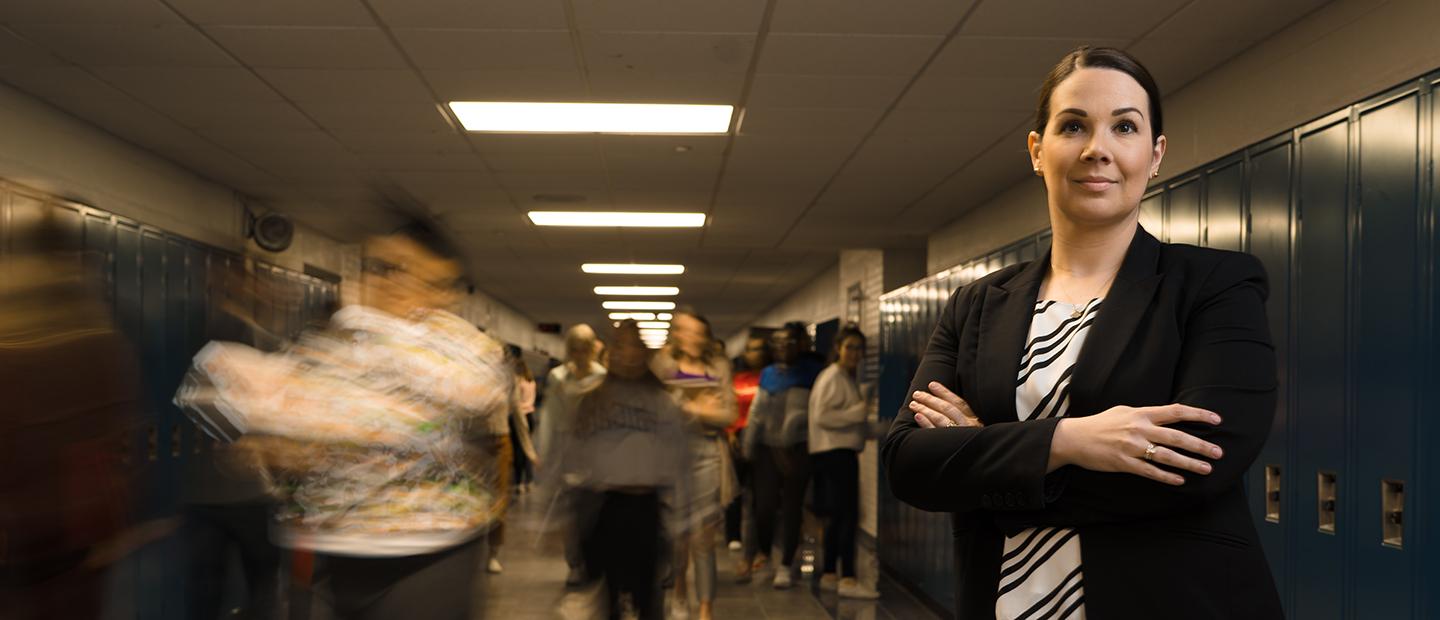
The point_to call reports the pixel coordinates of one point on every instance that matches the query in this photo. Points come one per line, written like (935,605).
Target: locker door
(1152,216)
(1320,377)
(1223,219)
(1182,218)
(1269,190)
(177,351)
(153,364)
(1387,358)
(99,245)
(1429,551)
(128,315)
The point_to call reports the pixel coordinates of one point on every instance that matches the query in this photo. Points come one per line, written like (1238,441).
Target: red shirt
(746,383)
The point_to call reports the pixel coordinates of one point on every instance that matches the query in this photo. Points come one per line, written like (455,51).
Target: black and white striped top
(1040,572)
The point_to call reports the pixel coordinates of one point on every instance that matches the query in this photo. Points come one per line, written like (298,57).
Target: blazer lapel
(1004,324)
(1120,314)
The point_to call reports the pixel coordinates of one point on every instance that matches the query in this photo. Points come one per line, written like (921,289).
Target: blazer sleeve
(961,469)
(1227,365)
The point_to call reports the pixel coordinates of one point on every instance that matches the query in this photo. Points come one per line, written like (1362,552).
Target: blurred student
(838,429)
(628,449)
(565,386)
(747,368)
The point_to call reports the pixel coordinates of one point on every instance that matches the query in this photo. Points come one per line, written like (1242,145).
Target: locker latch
(1392,513)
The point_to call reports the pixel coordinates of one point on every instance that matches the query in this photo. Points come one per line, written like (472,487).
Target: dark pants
(837,494)
(432,585)
(211,531)
(621,543)
(523,472)
(779,477)
(734,513)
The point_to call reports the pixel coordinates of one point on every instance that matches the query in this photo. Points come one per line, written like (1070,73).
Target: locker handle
(1395,517)
(1327,505)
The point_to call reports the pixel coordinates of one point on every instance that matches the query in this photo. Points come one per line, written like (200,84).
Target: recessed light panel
(617,219)
(638,316)
(622,118)
(632,268)
(638,305)
(644,291)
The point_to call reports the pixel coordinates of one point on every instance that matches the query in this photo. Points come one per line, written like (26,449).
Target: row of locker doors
(1342,212)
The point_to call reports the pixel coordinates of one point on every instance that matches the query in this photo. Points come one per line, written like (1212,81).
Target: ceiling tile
(346,85)
(17,51)
(669,15)
(663,146)
(505,85)
(853,55)
(933,17)
(1173,61)
(60,86)
(936,90)
(496,50)
(520,162)
(381,141)
(238,115)
(309,48)
(189,85)
(1007,57)
(112,12)
(323,13)
(1233,19)
(493,14)
(431,160)
(646,87)
(827,91)
(667,52)
(109,45)
(809,121)
(1100,19)
(251,139)
(376,116)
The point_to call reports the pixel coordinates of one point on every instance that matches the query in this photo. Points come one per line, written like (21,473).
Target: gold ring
(1150,453)
(949,423)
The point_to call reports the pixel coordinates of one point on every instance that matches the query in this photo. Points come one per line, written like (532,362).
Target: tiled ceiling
(862,123)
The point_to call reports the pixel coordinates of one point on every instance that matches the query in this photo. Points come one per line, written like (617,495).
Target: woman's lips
(1096,184)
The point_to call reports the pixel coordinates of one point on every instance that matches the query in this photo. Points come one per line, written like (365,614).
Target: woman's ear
(1157,155)
(1032,144)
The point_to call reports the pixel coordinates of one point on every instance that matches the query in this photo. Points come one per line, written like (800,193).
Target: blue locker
(1427,504)
(177,355)
(99,247)
(1269,192)
(1320,377)
(1387,360)
(128,313)
(153,366)
(1224,207)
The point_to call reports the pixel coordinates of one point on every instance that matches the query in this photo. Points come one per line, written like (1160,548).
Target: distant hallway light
(644,291)
(654,324)
(627,219)
(638,305)
(622,118)
(638,316)
(633,268)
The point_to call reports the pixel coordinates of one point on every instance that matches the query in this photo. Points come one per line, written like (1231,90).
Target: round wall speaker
(273,232)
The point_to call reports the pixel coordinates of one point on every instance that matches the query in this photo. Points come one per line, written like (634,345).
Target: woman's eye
(1071,127)
(1126,127)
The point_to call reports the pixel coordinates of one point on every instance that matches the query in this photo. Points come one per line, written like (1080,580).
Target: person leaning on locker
(1111,393)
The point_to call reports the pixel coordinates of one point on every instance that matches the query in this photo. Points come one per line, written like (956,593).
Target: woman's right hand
(1116,440)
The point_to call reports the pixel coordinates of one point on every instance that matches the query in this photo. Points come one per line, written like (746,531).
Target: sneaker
(850,588)
(679,608)
(495,568)
(735,546)
(783,579)
(829,581)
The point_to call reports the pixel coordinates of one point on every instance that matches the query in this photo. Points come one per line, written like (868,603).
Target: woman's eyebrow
(1119,111)
(1075,111)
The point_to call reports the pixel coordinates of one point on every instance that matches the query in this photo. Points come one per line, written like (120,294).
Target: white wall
(813,303)
(1333,57)
(866,268)
(505,323)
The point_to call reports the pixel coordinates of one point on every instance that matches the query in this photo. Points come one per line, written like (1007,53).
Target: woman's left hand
(939,408)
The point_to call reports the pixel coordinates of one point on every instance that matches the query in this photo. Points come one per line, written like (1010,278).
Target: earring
(1155,174)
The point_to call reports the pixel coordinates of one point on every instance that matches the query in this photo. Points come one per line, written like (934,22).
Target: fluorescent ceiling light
(657,333)
(530,117)
(638,305)
(663,316)
(629,219)
(632,268)
(648,291)
(654,325)
(638,316)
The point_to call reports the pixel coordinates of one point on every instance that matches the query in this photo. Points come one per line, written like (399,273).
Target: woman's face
(1098,152)
(689,335)
(852,350)
(629,359)
(755,352)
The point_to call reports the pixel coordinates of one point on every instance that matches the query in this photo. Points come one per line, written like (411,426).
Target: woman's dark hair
(799,334)
(1100,58)
(848,331)
(708,355)
(430,238)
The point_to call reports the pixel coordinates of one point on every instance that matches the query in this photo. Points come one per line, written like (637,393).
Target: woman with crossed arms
(1088,417)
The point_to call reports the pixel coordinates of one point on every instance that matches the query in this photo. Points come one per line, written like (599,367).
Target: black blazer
(1180,324)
